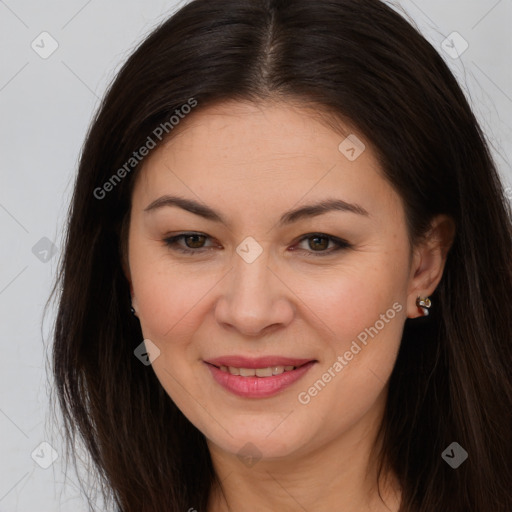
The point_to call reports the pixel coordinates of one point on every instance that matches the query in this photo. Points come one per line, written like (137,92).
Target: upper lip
(257,362)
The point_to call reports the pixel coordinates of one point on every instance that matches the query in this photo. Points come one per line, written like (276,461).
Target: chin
(259,443)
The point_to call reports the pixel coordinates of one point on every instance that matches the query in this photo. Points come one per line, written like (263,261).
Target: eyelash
(341,244)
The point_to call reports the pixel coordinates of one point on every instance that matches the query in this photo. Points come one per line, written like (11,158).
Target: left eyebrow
(310,210)
(320,208)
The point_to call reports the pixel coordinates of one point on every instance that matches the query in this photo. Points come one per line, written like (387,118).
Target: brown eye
(188,243)
(318,242)
(194,241)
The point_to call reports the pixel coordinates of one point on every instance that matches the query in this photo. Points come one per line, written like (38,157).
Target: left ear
(429,258)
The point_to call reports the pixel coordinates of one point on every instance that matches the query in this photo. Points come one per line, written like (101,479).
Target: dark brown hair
(358,60)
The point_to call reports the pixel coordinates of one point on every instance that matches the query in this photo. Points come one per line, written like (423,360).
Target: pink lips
(257,387)
(258,362)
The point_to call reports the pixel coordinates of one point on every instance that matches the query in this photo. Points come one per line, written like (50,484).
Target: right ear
(125,265)
(127,273)
(126,270)
(123,246)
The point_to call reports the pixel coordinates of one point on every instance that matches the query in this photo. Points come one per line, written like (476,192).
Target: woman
(298,207)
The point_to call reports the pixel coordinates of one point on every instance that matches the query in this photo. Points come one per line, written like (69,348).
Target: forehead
(257,134)
(270,152)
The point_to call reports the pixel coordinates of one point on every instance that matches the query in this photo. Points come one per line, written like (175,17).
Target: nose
(254,298)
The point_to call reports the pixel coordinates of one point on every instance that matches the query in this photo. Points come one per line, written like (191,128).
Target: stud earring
(132,311)
(424,303)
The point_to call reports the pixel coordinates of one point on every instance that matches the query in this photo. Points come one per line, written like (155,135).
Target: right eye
(194,242)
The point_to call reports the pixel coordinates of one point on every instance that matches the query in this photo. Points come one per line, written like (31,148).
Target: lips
(257,377)
(258,362)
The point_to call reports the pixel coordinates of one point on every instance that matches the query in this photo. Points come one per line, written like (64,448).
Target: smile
(260,381)
(258,372)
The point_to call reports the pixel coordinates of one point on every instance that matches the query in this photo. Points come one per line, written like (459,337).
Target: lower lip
(258,387)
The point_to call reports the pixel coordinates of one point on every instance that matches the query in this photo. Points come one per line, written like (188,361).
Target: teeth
(277,370)
(264,372)
(257,372)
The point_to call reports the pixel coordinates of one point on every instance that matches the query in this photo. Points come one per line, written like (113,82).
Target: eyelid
(171,243)
(340,244)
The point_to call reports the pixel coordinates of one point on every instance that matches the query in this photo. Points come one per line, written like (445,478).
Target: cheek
(336,306)
(168,295)
(342,301)
(365,320)
(170,303)
(353,299)
(363,311)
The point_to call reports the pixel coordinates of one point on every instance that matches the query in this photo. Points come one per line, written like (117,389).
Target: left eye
(321,241)
(195,243)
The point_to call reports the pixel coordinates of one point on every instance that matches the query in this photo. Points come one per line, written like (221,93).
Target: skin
(252,163)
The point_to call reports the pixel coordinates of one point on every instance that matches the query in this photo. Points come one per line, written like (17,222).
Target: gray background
(46,106)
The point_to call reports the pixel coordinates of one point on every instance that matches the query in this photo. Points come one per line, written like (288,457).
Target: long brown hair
(358,60)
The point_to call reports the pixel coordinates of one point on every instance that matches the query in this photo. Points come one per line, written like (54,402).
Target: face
(236,291)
